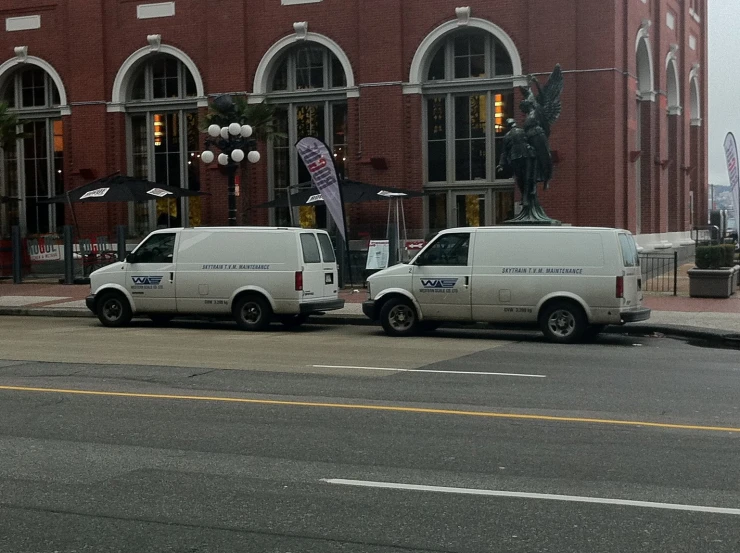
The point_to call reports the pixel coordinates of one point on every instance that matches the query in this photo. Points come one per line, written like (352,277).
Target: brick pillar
(648,177)
(676,200)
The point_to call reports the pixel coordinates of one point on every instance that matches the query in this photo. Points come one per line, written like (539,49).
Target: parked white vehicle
(254,274)
(572,281)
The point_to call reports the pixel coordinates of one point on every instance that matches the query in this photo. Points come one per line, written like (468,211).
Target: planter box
(712,283)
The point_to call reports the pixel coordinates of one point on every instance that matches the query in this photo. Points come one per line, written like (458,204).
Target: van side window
(448,250)
(157,249)
(327,250)
(310,248)
(629,251)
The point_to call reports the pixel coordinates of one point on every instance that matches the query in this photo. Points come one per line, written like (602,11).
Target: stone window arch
(160,95)
(467,76)
(33,166)
(309,85)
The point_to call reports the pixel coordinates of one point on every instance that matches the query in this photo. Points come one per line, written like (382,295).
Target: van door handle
(172,277)
(467,281)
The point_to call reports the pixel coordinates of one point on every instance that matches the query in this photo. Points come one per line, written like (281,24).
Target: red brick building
(408,93)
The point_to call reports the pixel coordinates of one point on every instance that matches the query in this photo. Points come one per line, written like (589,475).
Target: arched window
(468,95)
(33,166)
(163,140)
(308,85)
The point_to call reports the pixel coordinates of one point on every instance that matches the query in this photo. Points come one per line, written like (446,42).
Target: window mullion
(450,122)
(490,136)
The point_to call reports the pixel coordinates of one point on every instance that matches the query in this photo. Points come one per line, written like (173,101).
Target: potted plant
(715,273)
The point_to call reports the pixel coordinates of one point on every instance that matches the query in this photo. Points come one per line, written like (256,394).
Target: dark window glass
(9,93)
(280,80)
(503,65)
(437,66)
(447,250)
(437,140)
(310,248)
(338,78)
(327,250)
(629,251)
(157,249)
(190,88)
(138,89)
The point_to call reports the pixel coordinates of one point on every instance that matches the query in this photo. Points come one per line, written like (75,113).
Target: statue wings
(547,102)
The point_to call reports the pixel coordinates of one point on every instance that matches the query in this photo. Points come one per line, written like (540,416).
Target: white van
(572,281)
(254,274)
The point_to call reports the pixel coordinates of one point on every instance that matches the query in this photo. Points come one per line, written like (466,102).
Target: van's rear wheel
(114,310)
(252,313)
(398,317)
(563,322)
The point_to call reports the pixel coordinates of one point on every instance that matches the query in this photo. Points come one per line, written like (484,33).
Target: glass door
(469,209)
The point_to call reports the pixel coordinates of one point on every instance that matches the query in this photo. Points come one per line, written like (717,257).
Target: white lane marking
(424,371)
(527,495)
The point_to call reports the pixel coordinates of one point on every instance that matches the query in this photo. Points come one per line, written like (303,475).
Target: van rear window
(310,248)
(327,250)
(629,251)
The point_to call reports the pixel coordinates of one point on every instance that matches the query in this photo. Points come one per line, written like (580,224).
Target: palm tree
(225,110)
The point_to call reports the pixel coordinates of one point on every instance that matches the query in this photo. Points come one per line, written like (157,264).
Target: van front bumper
(90,302)
(370,310)
(320,306)
(635,315)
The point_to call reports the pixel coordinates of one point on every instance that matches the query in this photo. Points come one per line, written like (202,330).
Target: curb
(712,336)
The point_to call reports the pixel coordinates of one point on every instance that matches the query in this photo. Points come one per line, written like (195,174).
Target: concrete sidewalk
(709,319)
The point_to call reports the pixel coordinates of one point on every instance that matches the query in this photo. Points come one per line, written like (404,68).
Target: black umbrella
(120,188)
(352,191)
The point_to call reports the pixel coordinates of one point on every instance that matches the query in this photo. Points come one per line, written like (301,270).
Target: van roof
(235,229)
(532,227)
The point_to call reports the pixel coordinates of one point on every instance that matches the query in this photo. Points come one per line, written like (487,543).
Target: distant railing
(659,272)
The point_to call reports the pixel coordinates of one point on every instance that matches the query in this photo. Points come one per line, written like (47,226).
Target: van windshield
(629,251)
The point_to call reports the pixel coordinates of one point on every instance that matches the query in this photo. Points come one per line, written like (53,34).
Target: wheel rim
(561,323)
(251,313)
(401,317)
(112,310)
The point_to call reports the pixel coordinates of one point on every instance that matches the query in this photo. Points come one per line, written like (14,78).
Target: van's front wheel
(114,310)
(563,322)
(398,317)
(252,313)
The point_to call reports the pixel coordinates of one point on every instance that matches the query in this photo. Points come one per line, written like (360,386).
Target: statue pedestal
(533,223)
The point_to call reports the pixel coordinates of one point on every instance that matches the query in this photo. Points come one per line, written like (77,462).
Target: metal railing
(659,272)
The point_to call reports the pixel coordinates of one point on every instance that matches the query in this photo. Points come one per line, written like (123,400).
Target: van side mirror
(130,258)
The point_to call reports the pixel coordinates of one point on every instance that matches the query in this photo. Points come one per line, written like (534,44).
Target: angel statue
(526,151)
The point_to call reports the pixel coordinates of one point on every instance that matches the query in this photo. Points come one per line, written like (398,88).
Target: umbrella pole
(290,209)
(74,216)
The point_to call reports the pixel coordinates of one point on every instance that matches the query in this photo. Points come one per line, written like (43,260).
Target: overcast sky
(724,82)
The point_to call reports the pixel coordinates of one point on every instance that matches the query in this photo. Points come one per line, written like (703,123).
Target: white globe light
(253,156)
(237,155)
(234,129)
(223,159)
(207,156)
(214,130)
(246,131)
(224,132)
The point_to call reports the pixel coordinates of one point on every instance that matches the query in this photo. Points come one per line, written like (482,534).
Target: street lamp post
(234,143)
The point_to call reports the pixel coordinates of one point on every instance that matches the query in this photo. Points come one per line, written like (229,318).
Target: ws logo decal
(439,285)
(147,280)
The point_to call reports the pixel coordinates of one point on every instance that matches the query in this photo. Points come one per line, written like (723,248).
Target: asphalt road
(202,438)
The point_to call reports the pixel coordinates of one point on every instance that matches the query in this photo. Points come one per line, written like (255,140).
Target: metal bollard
(17,254)
(121,240)
(69,267)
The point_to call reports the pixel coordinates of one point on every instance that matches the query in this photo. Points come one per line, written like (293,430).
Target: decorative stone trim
(301,30)
(155,42)
(463,15)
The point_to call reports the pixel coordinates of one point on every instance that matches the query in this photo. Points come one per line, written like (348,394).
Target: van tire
(252,312)
(398,317)
(292,321)
(563,322)
(113,310)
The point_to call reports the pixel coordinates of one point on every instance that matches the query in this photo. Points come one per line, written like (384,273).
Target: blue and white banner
(733,171)
(318,160)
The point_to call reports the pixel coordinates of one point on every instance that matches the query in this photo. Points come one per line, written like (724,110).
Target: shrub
(715,257)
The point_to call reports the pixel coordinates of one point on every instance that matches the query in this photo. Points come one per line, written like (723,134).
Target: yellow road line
(391,408)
